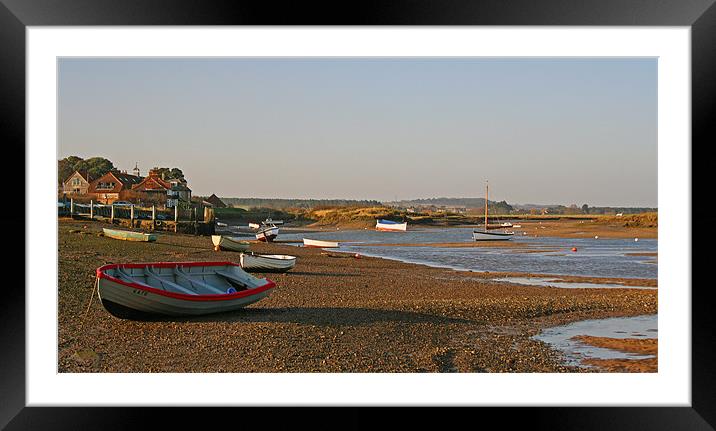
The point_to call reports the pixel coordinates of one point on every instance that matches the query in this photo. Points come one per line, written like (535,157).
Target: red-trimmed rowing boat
(178,288)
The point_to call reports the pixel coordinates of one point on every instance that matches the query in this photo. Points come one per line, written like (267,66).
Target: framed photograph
(391,209)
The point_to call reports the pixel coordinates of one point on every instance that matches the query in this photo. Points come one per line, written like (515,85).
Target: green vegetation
(650,219)
(170,173)
(95,167)
(358,216)
(98,166)
(254,215)
(295,203)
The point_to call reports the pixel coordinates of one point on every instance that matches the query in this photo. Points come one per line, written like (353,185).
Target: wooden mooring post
(154,217)
(176,213)
(131,215)
(72,207)
(196,229)
(111,214)
(91,209)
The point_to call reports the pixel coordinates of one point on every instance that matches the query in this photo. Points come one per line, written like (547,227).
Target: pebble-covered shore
(329,314)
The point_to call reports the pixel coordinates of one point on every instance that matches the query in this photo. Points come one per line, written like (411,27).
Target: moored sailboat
(485,234)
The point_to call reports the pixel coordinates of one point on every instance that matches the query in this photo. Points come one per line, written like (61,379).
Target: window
(105,186)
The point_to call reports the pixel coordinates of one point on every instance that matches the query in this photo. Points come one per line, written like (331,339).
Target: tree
(95,166)
(65,167)
(170,173)
(585,209)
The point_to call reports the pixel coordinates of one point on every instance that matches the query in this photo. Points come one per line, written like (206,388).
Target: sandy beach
(330,314)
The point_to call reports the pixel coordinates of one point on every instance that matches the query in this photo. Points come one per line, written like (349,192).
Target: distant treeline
(296,203)
(447,202)
(495,207)
(584,209)
(504,208)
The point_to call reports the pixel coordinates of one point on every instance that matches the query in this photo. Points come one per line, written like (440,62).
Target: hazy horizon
(551,131)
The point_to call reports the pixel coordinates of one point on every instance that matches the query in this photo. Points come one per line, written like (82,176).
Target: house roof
(152,182)
(83,173)
(121,181)
(215,200)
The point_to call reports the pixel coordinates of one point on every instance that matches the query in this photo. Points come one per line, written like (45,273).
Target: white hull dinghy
(387,226)
(229,243)
(321,244)
(266,262)
(479,235)
(134,290)
(267,234)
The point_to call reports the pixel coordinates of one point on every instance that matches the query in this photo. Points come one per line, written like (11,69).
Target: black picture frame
(699,15)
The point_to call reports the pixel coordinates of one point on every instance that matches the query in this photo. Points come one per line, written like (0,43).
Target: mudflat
(326,315)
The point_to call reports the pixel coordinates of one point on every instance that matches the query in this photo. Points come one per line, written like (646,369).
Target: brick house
(178,193)
(76,184)
(113,186)
(158,190)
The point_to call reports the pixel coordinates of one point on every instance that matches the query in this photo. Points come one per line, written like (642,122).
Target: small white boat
(230,243)
(266,262)
(220,224)
(134,290)
(506,224)
(316,243)
(388,225)
(254,225)
(267,233)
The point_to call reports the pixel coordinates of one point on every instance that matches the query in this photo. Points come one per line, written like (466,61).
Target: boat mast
(486,186)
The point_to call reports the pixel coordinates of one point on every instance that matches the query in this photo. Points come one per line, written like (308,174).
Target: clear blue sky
(545,131)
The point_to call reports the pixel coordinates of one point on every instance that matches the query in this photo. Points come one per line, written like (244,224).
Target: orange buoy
(574,248)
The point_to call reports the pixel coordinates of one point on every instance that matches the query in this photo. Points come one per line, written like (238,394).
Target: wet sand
(326,315)
(491,244)
(627,345)
(582,229)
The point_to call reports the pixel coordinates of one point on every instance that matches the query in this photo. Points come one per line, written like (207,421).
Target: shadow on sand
(322,316)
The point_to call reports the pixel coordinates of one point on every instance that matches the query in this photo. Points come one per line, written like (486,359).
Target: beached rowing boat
(229,243)
(128,235)
(316,243)
(388,225)
(133,290)
(266,262)
(267,233)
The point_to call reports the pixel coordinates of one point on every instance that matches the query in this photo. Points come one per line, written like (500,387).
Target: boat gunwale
(270,256)
(270,284)
(493,233)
